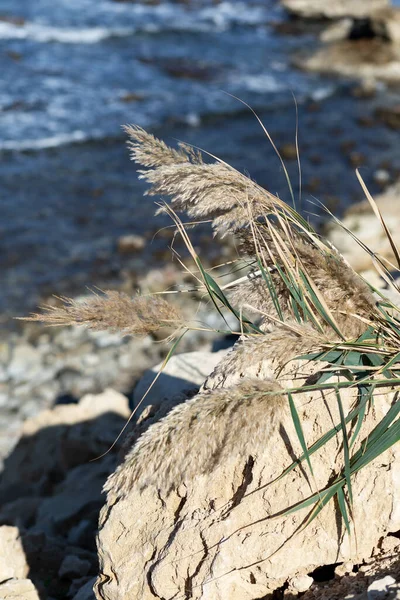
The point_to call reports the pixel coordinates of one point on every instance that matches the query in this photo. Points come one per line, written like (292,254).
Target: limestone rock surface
(18,589)
(12,557)
(223,534)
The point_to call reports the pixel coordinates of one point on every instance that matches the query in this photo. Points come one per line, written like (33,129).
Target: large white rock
(336,9)
(366,60)
(222,535)
(13,562)
(361,220)
(18,589)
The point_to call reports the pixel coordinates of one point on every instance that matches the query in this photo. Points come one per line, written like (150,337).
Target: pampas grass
(114,311)
(305,302)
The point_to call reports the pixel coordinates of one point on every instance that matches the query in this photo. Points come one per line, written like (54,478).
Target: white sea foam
(46,33)
(146,18)
(44,143)
(321,93)
(260,84)
(226,13)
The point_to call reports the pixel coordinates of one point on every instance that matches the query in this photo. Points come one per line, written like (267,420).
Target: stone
(368,60)
(183,373)
(76,497)
(21,513)
(344,569)
(106,339)
(387,24)
(73,567)
(25,363)
(18,589)
(361,220)
(222,534)
(56,440)
(390,544)
(86,592)
(300,584)
(335,10)
(390,115)
(130,244)
(13,564)
(338,30)
(380,589)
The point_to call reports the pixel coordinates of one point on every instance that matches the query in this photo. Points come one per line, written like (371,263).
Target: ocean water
(70,67)
(72,72)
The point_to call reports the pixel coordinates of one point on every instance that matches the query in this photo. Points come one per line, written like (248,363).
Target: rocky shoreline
(66,395)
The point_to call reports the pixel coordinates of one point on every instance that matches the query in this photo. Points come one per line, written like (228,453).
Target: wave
(44,143)
(149,19)
(45,33)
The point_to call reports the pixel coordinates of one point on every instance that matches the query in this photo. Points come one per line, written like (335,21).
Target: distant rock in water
(335,10)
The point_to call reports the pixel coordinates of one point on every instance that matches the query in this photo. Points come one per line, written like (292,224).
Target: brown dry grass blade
(378,214)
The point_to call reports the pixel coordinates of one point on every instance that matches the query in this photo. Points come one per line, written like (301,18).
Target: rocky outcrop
(11,546)
(50,492)
(334,10)
(18,589)
(361,220)
(223,534)
(368,60)
(363,42)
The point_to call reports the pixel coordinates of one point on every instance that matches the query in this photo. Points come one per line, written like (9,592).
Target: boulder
(77,495)
(385,588)
(18,589)
(59,439)
(222,534)
(13,563)
(130,244)
(73,567)
(361,220)
(369,60)
(334,10)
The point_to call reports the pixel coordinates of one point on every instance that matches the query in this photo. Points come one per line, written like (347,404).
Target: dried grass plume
(114,311)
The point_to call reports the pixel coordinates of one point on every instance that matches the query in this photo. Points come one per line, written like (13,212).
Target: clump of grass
(297,291)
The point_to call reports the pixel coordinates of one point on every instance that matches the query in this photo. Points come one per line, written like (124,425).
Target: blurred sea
(73,71)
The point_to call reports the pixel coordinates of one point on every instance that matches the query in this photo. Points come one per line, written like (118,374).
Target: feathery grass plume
(268,227)
(113,310)
(150,151)
(295,263)
(202,190)
(180,446)
(282,344)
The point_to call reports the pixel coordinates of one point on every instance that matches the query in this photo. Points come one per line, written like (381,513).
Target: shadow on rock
(50,497)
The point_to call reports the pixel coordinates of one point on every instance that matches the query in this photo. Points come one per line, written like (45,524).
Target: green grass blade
(346,450)
(371,451)
(343,509)
(299,431)
(215,292)
(364,394)
(266,275)
(320,499)
(326,437)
